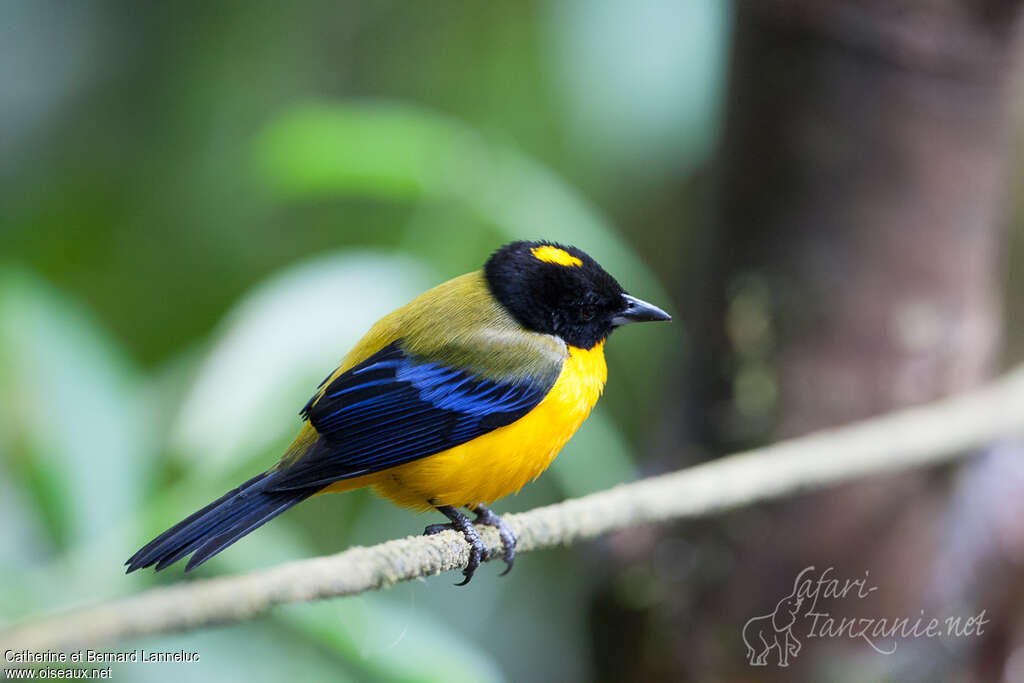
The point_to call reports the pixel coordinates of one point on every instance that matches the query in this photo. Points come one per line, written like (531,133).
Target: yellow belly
(503,461)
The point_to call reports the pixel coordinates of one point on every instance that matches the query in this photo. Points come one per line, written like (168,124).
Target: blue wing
(393,408)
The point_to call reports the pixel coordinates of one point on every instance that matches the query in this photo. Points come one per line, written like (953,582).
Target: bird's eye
(587,312)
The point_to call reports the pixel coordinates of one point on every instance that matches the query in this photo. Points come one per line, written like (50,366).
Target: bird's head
(559,290)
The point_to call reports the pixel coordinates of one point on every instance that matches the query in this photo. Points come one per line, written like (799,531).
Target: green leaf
(76,437)
(381,149)
(73,428)
(393,642)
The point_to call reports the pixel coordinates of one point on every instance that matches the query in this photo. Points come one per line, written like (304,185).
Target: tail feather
(218,525)
(198,534)
(254,520)
(185,534)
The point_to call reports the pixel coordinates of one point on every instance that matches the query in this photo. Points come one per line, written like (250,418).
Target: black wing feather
(394,408)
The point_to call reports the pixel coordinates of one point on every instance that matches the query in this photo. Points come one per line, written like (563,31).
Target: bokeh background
(203,205)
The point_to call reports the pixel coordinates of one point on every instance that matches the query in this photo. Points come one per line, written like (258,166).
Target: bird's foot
(461,523)
(484,515)
(477,549)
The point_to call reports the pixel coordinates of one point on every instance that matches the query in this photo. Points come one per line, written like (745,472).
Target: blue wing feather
(394,408)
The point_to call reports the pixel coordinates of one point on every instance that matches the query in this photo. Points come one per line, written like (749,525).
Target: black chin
(584,337)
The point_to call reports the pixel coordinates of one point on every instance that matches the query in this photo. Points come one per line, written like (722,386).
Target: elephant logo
(774,631)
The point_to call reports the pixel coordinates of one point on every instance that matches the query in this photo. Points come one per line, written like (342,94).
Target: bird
(455,400)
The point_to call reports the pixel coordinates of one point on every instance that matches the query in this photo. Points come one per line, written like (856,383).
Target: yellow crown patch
(550,254)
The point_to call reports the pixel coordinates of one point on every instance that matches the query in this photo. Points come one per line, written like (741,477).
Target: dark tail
(218,525)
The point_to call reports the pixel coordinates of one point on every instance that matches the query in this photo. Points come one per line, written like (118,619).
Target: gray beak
(638,311)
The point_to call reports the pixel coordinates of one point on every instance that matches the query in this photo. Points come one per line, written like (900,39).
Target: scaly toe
(509,555)
(476,553)
(485,515)
(461,523)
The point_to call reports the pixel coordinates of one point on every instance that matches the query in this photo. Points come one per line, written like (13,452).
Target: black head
(559,290)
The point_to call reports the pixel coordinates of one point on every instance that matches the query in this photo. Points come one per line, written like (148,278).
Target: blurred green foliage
(202,206)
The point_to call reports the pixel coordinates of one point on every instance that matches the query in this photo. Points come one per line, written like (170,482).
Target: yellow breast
(499,462)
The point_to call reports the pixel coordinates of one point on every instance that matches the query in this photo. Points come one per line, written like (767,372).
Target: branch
(930,434)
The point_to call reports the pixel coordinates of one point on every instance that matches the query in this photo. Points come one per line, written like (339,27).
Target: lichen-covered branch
(925,435)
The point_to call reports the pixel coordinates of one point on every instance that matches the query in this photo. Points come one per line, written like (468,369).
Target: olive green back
(459,323)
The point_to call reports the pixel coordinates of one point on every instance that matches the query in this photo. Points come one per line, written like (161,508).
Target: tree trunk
(853,267)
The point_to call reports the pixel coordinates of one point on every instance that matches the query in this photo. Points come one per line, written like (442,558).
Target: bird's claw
(461,523)
(484,515)
(477,549)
